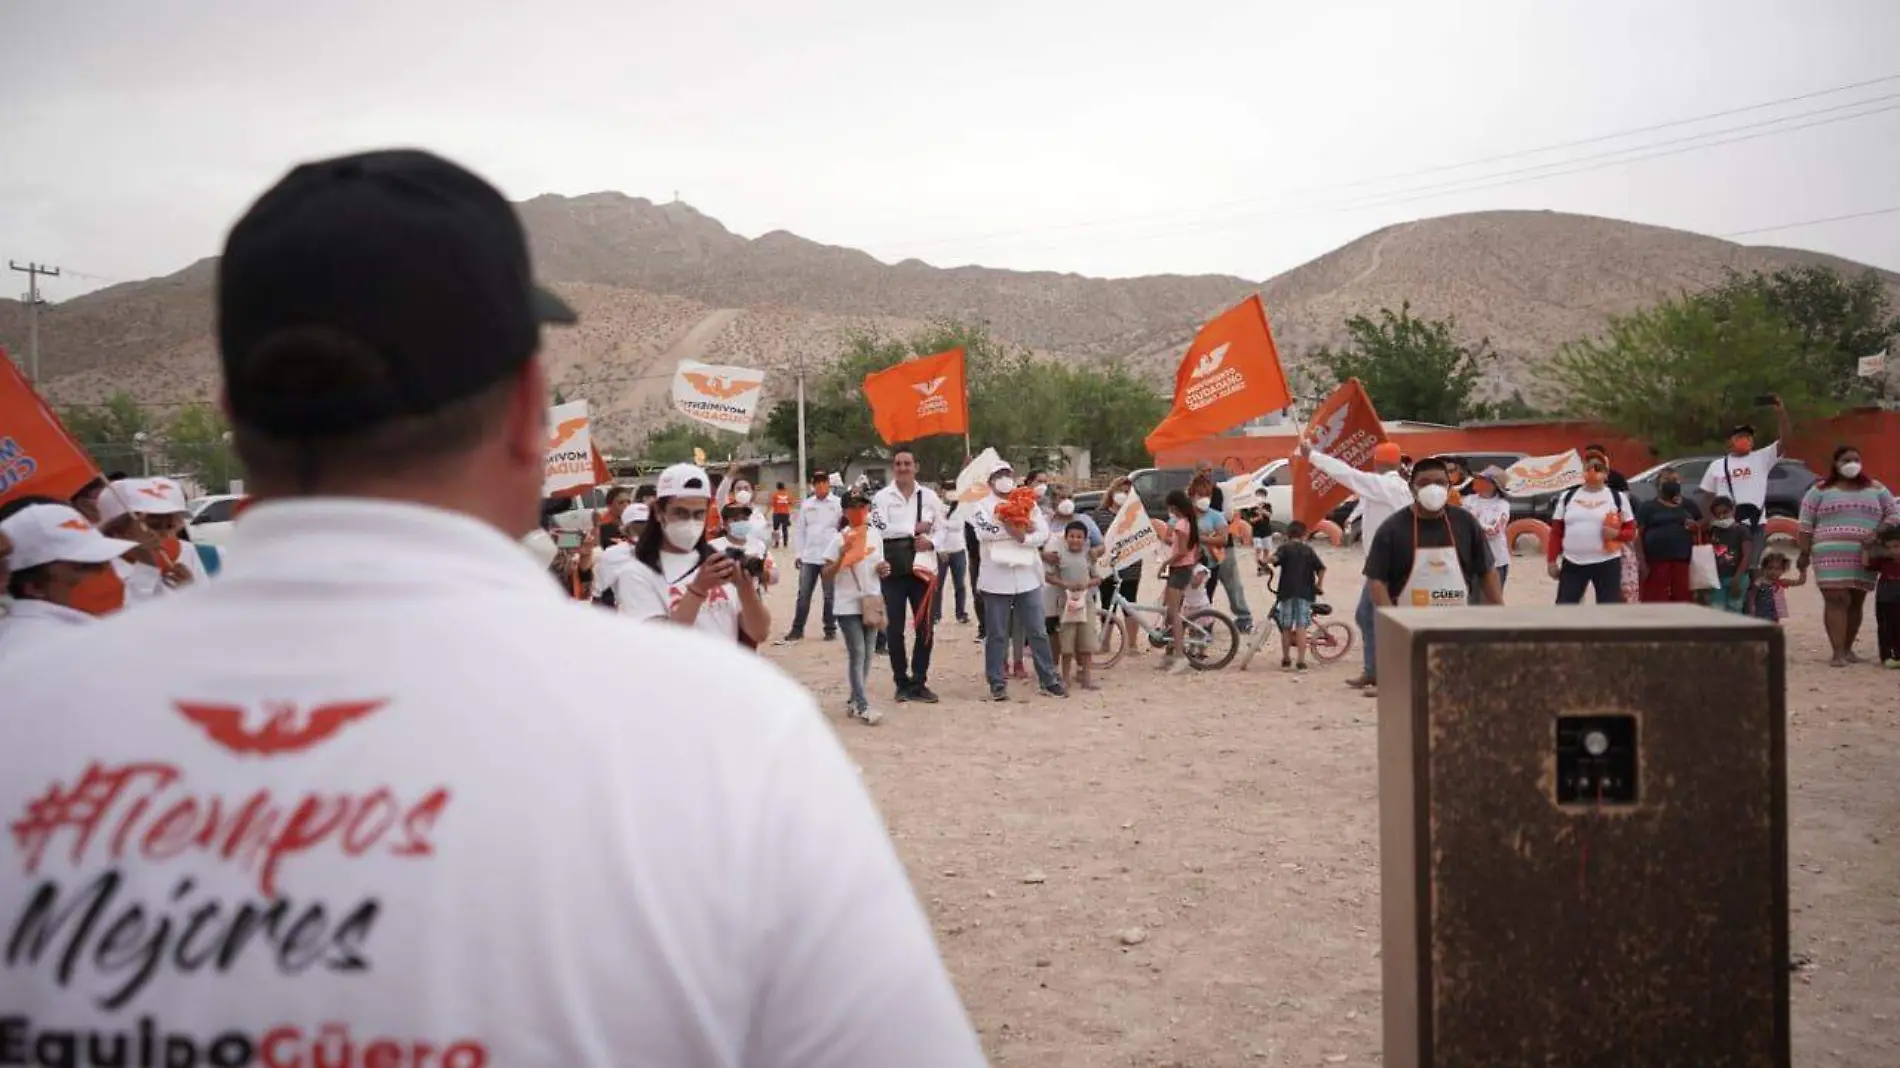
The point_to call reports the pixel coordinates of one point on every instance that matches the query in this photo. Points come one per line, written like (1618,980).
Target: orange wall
(1875,432)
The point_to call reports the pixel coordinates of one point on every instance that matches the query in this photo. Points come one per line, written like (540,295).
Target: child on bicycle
(1302,580)
(1183,539)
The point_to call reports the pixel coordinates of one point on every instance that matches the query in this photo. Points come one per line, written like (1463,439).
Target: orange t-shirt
(781,503)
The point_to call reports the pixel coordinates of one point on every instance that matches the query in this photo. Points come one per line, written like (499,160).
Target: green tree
(1412,368)
(196,443)
(1677,375)
(1839,320)
(674,443)
(110,432)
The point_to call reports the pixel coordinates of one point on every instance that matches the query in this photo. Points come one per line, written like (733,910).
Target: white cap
(44,533)
(143,496)
(638,513)
(683,480)
(166,495)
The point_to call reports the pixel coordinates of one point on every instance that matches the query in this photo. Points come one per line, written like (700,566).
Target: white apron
(1437,579)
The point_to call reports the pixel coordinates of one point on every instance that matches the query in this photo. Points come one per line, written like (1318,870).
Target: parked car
(1088,501)
(211,516)
(1153,484)
(1787,483)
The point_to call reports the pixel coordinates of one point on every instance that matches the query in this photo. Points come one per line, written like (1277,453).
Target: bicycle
(1209,638)
(1327,641)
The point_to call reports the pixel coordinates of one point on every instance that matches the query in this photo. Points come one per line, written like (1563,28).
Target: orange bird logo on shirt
(719,387)
(565,431)
(284,730)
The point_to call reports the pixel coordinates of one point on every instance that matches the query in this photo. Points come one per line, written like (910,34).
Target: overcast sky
(1105,137)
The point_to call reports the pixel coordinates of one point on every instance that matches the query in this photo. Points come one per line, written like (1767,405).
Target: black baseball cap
(1742,430)
(419,260)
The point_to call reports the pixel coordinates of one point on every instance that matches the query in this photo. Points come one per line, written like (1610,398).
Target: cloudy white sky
(1105,137)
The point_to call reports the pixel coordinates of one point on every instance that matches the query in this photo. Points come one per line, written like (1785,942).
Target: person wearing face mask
(1430,555)
(678,577)
(1742,476)
(1127,581)
(60,571)
(1011,584)
(812,530)
(1484,499)
(953,561)
(851,560)
(1218,551)
(155,566)
(172,524)
(741,528)
(1382,493)
(1666,530)
(609,562)
(757,521)
(1061,513)
(1589,526)
(1841,515)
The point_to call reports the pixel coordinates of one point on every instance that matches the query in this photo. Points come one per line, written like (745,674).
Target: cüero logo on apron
(1437,579)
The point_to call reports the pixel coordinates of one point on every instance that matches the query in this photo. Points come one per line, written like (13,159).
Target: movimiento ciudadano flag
(1230,373)
(1543,474)
(574,464)
(919,398)
(723,397)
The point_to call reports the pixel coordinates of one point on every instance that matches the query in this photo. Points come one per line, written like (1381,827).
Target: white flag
(1245,491)
(1543,474)
(973,482)
(724,397)
(1873,366)
(570,463)
(1131,534)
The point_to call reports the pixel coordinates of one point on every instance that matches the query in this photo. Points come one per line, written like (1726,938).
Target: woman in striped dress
(1839,517)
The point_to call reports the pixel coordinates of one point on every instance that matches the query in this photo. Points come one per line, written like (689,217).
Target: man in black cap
(375,729)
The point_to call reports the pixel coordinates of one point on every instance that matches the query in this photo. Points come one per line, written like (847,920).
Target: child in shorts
(1730,540)
(1302,580)
(1073,575)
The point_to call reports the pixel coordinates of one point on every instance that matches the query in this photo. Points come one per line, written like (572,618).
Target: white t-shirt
(431,834)
(643,593)
(1743,479)
(23,623)
(1583,515)
(1494,517)
(855,582)
(608,565)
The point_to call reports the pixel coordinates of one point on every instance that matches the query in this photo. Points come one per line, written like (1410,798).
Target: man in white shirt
(812,529)
(1011,582)
(1742,477)
(953,563)
(366,799)
(61,572)
(1383,492)
(906,514)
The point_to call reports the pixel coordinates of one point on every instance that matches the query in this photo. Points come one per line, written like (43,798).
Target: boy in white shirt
(851,562)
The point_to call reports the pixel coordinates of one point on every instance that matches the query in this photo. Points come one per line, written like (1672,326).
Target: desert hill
(656,283)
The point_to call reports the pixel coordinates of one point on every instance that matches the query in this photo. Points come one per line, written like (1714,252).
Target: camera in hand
(750,565)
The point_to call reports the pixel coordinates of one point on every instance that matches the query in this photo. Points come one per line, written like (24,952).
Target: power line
(1813,222)
(33,271)
(1422,172)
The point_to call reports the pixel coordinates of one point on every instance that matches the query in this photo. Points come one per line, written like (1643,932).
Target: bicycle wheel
(1212,640)
(1329,641)
(1111,638)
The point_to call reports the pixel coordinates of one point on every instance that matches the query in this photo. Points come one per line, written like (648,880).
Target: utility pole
(33,302)
(803,479)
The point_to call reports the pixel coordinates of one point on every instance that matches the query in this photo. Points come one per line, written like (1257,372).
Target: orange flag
(919,398)
(1230,374)
(1344,426)
(37,455)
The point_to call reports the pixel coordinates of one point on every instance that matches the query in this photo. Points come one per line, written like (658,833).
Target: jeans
(952,568)
(997,608)
(1606,577)
(810,575)
(904,597)
(1363,616)
(1229,575)
(857,663)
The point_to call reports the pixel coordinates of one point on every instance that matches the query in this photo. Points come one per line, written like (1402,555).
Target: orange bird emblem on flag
(719,387)
(566,431)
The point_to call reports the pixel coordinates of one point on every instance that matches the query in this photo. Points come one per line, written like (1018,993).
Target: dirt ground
(1227,825)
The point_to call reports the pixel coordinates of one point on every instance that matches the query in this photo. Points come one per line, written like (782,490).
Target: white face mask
(1065,508)
(1004,486)
(1041,488)
(683,534)
(1203,503)
(744,496)
(1116,498)
(1723,523)
(1432,498)
(1850,469)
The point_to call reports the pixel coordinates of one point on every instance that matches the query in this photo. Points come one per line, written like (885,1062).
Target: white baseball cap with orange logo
(48,533)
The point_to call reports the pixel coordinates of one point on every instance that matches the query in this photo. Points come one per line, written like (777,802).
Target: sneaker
(999,693)
(871,716)
(850,709)
(1055,690)
(790,637)
(903,694)
(923,693)
(1360,682)
(831,635)
(1891,665)
(1301,666)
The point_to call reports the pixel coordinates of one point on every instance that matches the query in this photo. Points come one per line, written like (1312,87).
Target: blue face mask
(739,528)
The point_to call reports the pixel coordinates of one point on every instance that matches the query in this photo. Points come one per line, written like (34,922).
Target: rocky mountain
(656,283)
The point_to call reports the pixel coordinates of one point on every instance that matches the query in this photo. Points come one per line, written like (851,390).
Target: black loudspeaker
(1583,838)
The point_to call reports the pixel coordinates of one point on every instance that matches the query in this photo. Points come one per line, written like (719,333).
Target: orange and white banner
(724,397)
(1543,474)
(1345,427)
(1245,491)
(1230,373)
(919,398)
(1131,534)
(37,454)
(973,482)
(574,465)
